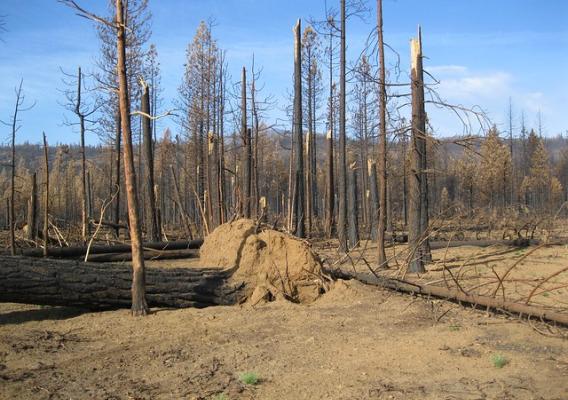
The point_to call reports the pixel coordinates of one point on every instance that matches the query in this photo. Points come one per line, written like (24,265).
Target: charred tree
(353,209)
(247,151)
(98,287)
(299,195)
(416,174)
(342,168)
(32,210)
(45,198)
(382,159)
(151,217)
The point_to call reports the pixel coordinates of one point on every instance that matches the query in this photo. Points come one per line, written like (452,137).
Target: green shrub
(249,378)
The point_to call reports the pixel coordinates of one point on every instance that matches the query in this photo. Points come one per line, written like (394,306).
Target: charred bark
(96,286)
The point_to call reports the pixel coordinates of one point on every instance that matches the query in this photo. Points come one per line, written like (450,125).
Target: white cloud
(459,83)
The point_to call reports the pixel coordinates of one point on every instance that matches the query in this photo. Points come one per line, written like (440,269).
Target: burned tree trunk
(382,141)
(80,251)
(353,233)
(152,230)
(46,199)
(299,195)
(96,286)
(247,150)
(418,102)
(139,306)
(330,192)
(85,231)
(32,210)
(374,200)
(342,214)
(415,173)
(117,146)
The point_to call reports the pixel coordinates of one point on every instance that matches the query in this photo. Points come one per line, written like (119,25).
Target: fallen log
(109,224)
(148,255)
(78,251)
(95,286)
(484,243)
(497,304)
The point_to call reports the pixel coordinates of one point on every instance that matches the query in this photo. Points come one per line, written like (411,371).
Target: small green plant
(249,378)
(220,396)
(546,294)
(499,361)
(455,328)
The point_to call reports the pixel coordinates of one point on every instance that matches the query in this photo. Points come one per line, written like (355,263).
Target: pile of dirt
(273,264)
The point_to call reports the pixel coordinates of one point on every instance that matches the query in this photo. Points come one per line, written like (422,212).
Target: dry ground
(356,342)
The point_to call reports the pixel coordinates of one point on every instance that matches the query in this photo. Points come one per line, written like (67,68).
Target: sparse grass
(249,378)
(220,396)
(499,361)
(546,294)
(455,328)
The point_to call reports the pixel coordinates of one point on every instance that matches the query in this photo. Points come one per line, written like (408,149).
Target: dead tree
(247,151)
(374,199)
(299,195)
(77,105)
(330,190)
(98,287)
(352,203)
(45,198)
(15,127)
(342,168)
(417,174)
(32,210)
(152,229)
(382,141)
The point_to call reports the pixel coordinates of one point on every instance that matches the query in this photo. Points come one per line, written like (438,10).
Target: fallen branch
(495,304)
(78,251)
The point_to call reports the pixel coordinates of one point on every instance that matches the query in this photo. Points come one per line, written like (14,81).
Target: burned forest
(258,200)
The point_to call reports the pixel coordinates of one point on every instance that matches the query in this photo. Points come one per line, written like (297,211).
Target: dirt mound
(273,264)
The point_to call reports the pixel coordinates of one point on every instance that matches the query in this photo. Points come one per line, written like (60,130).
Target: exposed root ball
(273,264)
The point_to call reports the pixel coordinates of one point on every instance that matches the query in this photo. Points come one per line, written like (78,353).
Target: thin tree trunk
(382,258)
(32,210)
(139,306)
(13,171)
(117,147)
(342,217)
(247,150)
(299,199)
(415,174)
(85,231)
(425,251)
(45,199)
(353,233)
(152,230)
(374,200)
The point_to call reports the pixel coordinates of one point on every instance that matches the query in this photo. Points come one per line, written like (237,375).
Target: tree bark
(117,147)
(139,306)
(299,194)
(342,212)
(95,286)
(152,230)
(374,201)
(353,233)
(78,251)
(382,258)
(45,199)
(85,231)
(484,302)
(32,210)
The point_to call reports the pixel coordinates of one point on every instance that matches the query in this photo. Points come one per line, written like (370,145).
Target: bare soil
(354,342)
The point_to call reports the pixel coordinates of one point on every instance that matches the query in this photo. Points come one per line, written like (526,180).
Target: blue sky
(483,52)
